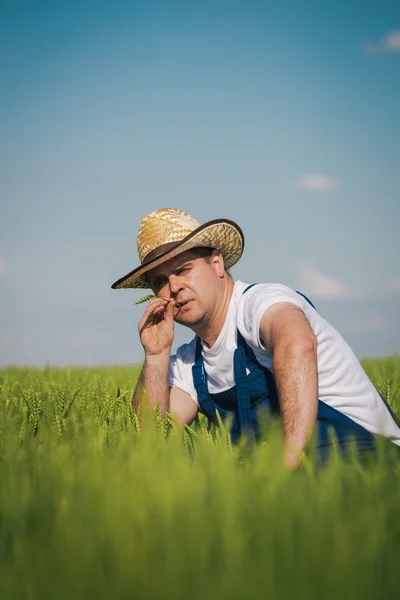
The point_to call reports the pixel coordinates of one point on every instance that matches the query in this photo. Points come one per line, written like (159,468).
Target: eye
(159,283)
(183,270)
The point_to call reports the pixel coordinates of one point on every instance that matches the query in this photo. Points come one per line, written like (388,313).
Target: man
(257,347)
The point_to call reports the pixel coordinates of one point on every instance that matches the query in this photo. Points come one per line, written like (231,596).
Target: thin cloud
(389,44)
(317,284)
(2,265)
(316,182)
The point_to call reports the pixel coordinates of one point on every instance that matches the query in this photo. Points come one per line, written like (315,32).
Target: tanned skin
(197,291)
(285,330)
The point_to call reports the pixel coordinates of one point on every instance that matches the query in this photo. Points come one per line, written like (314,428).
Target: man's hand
(156,328)
(285,330)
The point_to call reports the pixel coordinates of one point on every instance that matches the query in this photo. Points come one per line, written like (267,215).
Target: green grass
(93,507)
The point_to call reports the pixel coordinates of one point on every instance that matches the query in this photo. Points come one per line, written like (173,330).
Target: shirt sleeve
(256,301)
(180,371)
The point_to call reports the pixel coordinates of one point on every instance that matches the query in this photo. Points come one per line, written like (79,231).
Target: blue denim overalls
(254,398)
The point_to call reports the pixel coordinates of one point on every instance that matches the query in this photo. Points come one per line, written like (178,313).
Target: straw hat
(167,232)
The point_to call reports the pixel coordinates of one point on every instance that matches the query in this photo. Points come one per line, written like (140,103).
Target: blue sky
(282,116)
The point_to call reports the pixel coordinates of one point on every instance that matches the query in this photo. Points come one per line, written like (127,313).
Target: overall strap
(242,392)
(248,287)
(305,298)
(200,382)
(246,423)
(253,364)
(297,292)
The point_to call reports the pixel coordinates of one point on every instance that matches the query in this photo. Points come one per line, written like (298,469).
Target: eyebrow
(182,266)
(160,277)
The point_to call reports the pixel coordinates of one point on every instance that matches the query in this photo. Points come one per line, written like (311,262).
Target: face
(193,282)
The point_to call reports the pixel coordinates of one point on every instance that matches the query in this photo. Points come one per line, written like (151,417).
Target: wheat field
(94,506)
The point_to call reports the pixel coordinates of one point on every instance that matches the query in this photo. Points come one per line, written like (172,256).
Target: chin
(189,320)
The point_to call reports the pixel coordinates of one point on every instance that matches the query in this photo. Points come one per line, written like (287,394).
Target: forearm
(153,383)
(296,375)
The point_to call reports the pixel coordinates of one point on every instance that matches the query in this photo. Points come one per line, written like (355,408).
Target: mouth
(182,304)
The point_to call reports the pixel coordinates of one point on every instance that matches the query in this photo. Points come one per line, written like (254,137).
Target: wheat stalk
(151,296)
(145,299)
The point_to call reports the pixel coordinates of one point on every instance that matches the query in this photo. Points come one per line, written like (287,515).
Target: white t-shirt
(342,382)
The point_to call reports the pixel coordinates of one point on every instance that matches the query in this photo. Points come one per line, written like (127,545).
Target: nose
(174,284)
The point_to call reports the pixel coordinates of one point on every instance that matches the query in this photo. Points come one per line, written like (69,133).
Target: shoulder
(268,291)
(261,296)
(255,301)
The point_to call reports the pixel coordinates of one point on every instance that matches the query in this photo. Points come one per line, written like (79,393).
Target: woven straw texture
(161,227)
(172,225)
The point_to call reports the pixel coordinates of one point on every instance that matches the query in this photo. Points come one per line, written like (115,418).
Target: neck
(210,330)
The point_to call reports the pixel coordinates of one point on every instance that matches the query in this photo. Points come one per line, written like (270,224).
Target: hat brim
(221,234)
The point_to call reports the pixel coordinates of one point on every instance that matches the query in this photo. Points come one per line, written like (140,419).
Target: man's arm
(153,382)
(156,330)
(285,330)
(182,406)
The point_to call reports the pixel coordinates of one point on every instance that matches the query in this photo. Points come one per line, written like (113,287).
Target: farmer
(258,349)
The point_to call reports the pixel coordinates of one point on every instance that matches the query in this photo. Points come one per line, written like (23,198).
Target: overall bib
(254,398)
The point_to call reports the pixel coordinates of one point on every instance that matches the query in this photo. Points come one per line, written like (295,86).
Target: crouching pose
(256,346)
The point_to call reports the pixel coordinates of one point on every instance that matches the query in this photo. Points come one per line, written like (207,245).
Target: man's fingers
(169,312)
(154,305)
(153,312)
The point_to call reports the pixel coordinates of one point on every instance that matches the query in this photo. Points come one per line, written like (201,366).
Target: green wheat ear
(145,298)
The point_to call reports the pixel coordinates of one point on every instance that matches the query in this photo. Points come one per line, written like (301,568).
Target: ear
(218,263)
